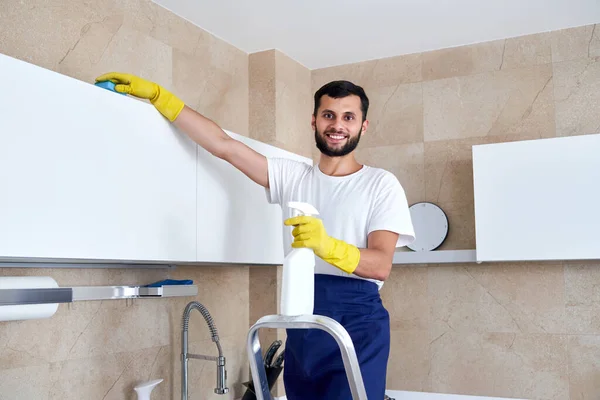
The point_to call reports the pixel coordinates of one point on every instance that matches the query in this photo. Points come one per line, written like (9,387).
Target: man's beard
(348,148)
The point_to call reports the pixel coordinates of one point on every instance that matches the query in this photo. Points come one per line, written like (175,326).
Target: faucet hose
(207,317)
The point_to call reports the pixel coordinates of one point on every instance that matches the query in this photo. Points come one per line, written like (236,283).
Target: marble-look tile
(293,115)
(463,60)
(118,327)
(577,96)
(263,292)
(449,171)
(150,19)
(461,223)
(395,70)
(142,366)
(404,161)
(525,51)
(574,43)
(448,182)
(262,96)
(33,382)
(405,296)
(584,375)
(293,105)
(213,80)
(373,74)
(263,299)
(191,76)
(226,103)
(533,293)
(139,15)
(24,346)
(89,49)
(460,303)
(151,60)
(519,298)
(511,102)
(526,366)
(357,73)
(173,30)
(30,30)
(291,73)
(223,56)
(114,376)
(224,291)
(409,362)
(281,104)
(90,378)
(582,297)
(395,115)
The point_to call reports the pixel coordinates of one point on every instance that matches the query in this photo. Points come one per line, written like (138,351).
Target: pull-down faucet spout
(185,356)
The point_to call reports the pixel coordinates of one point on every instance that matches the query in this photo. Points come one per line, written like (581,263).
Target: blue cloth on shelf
(171,282)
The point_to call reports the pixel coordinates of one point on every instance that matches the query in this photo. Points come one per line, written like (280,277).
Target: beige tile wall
(100,350)
(280,102)
(527,330)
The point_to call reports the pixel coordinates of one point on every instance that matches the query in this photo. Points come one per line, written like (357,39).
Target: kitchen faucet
(185,356)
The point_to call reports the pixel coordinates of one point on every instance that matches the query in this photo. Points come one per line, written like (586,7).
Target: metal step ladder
(326,324)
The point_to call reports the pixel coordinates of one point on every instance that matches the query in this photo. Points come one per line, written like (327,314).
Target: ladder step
(329,325)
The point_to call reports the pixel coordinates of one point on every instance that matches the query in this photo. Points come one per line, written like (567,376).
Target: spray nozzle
(302,208)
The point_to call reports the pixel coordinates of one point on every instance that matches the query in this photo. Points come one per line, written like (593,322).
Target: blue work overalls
(313,368)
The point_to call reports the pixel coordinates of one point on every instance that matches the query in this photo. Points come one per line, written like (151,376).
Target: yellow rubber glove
(309,232)
(164,101)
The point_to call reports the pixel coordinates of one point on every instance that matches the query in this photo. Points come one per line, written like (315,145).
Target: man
(363,217)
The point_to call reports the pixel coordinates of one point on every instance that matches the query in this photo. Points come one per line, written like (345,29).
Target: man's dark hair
(340,89)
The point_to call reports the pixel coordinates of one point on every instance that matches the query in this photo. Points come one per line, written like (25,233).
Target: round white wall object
(430,224)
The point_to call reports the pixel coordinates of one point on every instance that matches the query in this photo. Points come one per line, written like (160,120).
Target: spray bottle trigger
(303,208)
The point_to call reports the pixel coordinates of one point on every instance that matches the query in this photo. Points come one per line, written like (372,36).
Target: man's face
(338,125)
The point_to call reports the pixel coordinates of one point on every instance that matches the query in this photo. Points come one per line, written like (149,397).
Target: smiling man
(364,216)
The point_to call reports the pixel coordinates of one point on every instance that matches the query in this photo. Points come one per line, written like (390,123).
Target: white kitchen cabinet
(538,199)
(236,224)
(88,174)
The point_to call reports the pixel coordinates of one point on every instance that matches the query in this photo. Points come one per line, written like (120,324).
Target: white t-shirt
(350,206)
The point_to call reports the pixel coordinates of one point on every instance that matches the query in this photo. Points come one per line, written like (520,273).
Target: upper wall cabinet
(236,224)
(88,174)
(538,199)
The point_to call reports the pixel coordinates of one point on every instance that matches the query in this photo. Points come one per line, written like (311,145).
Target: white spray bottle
(298,281)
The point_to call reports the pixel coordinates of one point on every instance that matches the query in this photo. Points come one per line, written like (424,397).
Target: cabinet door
(538,200)
(236,223)
(88,174)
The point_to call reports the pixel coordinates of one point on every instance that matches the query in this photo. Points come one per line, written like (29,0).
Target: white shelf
(435,257)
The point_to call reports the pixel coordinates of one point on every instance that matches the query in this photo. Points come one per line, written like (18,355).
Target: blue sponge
(108,85)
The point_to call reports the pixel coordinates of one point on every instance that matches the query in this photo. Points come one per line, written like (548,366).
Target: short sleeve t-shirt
(351,207)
